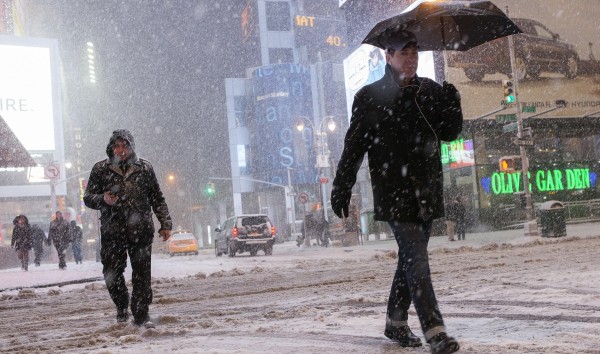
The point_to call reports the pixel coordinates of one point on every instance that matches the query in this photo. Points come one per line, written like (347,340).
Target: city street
(500,292)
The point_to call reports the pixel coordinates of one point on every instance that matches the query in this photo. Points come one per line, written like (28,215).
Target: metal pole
(323,174)
(53,196)
(291,195)
(530,228)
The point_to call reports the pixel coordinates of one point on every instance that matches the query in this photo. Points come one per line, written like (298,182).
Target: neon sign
(543,181)
(458,153)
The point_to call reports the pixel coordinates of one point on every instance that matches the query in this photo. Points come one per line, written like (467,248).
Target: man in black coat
(399,122)
(38,244)
(76,236)
(59,235)
(126,191)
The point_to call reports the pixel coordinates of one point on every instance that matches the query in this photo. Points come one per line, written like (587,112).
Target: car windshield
(254,220)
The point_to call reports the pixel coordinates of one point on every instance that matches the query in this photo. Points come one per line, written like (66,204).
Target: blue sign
(282,95)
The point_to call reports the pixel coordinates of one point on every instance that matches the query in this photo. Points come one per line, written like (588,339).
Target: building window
(239,108)
(278,16)
(280,55)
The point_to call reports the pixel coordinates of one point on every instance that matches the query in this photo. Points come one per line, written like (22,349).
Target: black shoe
(403,335)
(122,315)
(442,344)
(146,323)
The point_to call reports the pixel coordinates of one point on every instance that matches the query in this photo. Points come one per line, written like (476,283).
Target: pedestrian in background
(399,122)
(451,219)
(59,235)
(76,237)
(126,191)
(460,213)
(22,240)
(39,238)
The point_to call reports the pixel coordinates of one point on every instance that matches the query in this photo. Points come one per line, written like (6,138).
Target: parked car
(245,233)
(182,242)
(537,50)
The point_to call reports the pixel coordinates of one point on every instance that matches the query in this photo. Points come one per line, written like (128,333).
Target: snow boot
(403,335)
(441,343)
(122,315)
(146,323)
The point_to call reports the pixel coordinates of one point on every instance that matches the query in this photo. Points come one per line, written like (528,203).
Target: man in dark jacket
(76,236)
(38,244)
(125,189)
(22,240)
(399,122)
(59,234)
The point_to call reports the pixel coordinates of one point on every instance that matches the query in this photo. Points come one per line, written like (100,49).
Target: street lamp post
(323,157)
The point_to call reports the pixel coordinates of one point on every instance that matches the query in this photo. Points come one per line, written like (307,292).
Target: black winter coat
(75,234)
(22,239)
(59,233)
(403,147)
(139,194)
(38,237)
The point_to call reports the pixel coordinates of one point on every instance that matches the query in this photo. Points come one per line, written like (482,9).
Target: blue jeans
(412,281)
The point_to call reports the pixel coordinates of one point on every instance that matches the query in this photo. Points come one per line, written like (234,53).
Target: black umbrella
(447,25)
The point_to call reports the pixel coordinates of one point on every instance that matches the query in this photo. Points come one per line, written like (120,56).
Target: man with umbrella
(399,121)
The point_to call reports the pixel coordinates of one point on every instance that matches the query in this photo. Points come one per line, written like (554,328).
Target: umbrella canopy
(12,152)
(447,25)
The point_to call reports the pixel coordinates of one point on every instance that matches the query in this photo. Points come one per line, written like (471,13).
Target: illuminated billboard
(282,95)
(30,106)
(555,59)
(367,64)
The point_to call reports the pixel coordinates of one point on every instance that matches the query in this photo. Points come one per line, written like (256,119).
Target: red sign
(303,197)
(51,172)
(323,180)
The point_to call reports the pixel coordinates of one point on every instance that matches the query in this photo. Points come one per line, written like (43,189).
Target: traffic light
(509,163)
(509,92)
(209,190)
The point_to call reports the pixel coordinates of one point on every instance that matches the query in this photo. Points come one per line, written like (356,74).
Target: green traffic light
(510,99)
(210,189)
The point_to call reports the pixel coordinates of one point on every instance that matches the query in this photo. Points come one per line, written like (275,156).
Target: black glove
(451,94)
(340,199)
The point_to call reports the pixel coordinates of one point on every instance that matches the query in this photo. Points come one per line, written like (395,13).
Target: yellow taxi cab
(182,243)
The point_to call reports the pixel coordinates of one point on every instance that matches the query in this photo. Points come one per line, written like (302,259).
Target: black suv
(245,233)
(537,50)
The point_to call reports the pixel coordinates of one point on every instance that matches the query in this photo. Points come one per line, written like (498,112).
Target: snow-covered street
(499,292)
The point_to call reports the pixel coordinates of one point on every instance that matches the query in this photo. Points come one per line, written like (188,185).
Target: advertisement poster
(282,96)
(30,106)
(367,64)
(556,58)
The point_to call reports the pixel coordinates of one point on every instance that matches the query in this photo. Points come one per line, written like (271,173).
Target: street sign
(525,142)
(503,118)
(303,197)
(51,171)
(511,127)
(322,161)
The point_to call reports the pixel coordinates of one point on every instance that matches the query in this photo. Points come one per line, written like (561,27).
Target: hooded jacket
(400,129)
(138,191)
(22,239)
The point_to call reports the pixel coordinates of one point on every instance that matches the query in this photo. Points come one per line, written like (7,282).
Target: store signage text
(542,180)
(458,153)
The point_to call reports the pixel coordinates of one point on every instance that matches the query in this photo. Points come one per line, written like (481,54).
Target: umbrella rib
(443,32)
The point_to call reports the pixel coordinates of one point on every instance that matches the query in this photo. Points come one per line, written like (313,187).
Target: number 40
(334,41)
